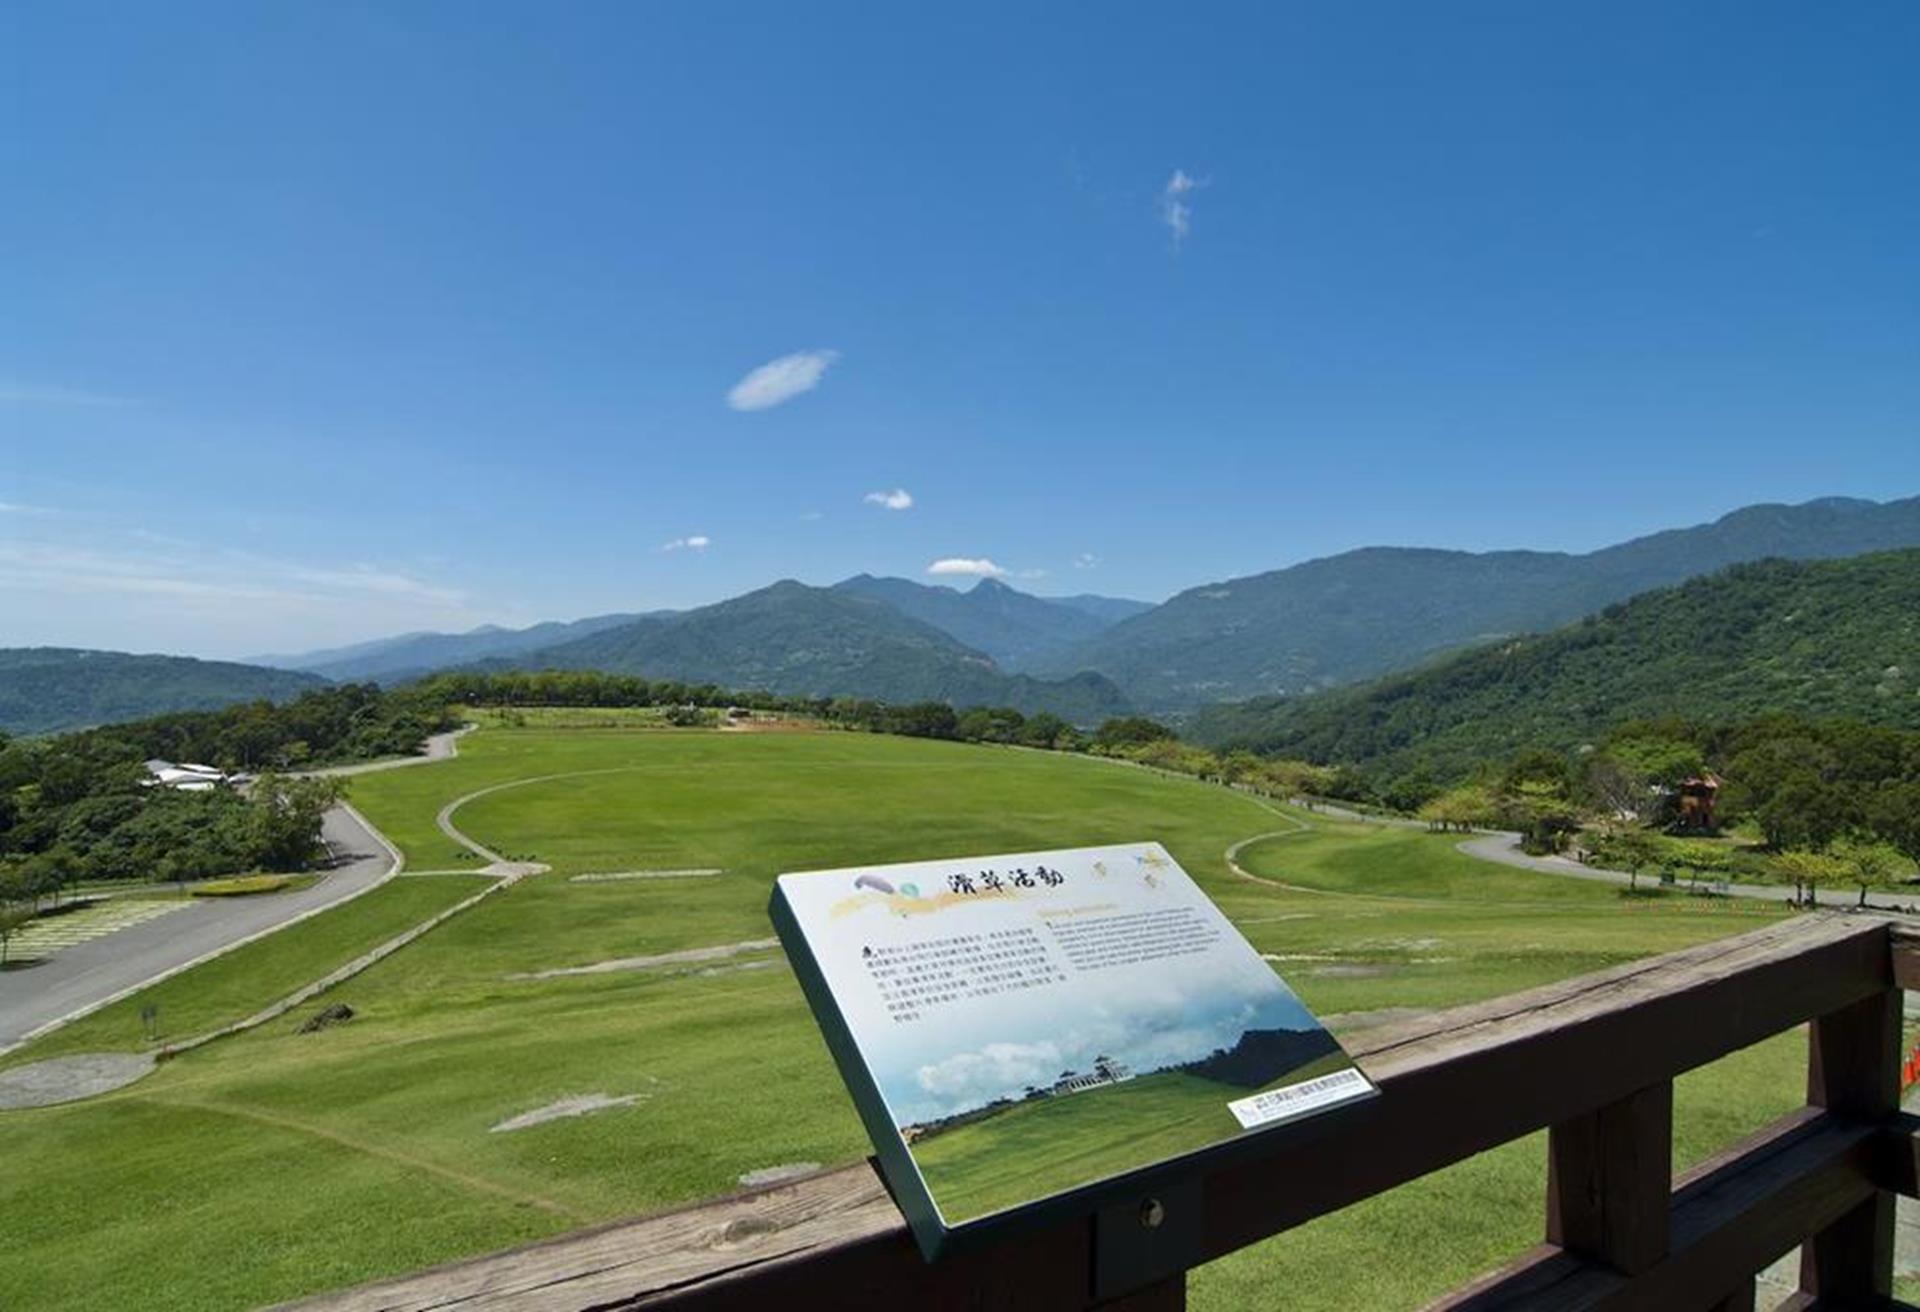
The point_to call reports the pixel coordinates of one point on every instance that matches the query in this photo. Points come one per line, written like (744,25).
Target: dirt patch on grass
(69,1079)
(1353,970)
(618,876)
(688,956)
(581,1104)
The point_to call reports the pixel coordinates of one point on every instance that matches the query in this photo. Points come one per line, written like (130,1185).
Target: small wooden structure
(1591,1059)
(1694,803)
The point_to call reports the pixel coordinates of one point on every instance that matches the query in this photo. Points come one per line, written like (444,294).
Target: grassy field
(175,1193)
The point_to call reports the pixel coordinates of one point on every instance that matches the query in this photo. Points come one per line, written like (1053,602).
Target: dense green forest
(1827,639)
(80,807)
(46,689)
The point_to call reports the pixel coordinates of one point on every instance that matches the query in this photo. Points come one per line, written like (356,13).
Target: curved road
(1504,848)
(88,976)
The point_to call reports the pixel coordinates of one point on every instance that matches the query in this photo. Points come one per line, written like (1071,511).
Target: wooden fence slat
(1742,1299)
(1169,1295)
(1798,1177)
(1449,1090)
(1853,1069)
(1608,1176)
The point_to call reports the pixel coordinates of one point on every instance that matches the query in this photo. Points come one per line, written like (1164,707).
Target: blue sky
(321,322)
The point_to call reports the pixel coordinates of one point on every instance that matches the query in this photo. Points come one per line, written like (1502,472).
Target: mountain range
(817,642)
(1364,613)
(1830,638)
(410,655)
(1017,630)
(1305,628)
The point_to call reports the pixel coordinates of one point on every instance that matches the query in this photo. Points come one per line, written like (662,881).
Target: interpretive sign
(1022,1027)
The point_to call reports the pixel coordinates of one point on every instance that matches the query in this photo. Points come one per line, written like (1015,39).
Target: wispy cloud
(22,508)
(1086,560)
(374,581)
(15,392)
(781,380)
(212,576)
(698,542)
(811,516)
(978,567)
(1176,210)
(898,499)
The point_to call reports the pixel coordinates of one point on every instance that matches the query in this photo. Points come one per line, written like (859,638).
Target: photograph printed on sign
(1039,1022)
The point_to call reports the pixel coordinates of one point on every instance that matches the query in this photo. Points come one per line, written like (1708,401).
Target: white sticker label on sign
(1295,1099)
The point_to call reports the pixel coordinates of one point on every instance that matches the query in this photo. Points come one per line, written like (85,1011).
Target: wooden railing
(1590,1059)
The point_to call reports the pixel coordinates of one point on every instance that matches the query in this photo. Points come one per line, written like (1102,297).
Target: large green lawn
(275,1163)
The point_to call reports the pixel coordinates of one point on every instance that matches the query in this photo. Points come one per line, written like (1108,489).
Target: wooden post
(1170,1295)
(1742,1299)
(1609,1173)
(1853,1069)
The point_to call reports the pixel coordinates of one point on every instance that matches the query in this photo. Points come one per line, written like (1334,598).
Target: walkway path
(87,976)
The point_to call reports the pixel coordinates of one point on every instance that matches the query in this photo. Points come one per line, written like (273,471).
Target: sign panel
(1016,1028)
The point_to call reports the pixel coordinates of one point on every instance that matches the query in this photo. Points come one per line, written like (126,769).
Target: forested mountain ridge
(1108,610)
(1013,627)
(1822,639)
(1378,609)
(803,641)
(45,689)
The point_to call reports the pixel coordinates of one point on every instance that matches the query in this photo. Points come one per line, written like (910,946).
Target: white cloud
(1176,211)
(14,392)
(22,508)
(969,1078)
(1086,560)
(898,499)
(977,567)
(781,380)
(698,542)
(811,517)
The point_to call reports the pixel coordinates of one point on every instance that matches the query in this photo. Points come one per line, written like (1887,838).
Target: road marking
(43,938)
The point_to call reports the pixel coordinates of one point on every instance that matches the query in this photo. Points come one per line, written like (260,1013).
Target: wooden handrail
(1592,1058)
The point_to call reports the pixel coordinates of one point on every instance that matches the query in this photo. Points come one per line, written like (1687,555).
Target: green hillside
(1014,628)
(1829,638)
(823,642)
(47,689)
(1370,612)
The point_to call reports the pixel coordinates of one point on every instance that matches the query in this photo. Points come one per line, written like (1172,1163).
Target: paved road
(439,747)
(1505,849)
(89,975)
